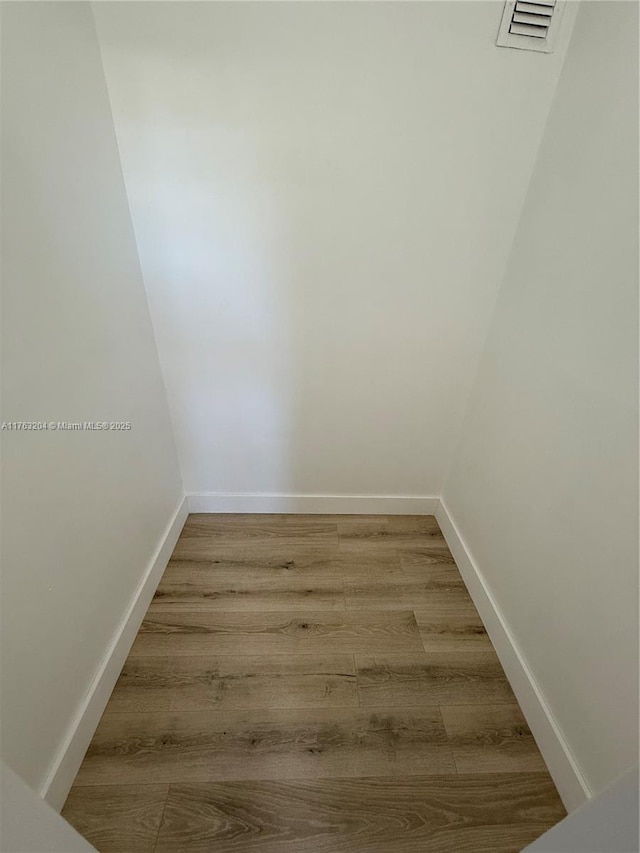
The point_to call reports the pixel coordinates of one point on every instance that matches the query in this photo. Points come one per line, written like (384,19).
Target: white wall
(544,482)
(324,195)
(609,822)
(83,512)
(29,825)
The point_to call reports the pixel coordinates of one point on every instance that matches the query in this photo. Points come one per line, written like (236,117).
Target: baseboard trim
(563,767)
(78,737)
(214,502)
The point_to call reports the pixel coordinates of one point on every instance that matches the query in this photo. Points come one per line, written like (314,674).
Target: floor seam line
(164,806)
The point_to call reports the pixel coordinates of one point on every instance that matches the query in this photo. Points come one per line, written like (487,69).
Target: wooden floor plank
(367,528)
(200,746)
(356,568)
(432,678)
(369,523)
(415,524)
(410,533)
(450,626)
(205,550)
(265,542)
(176,632)
(235,681)
(358,539)
(302,562)
(239,520)
(491,739)
(310,530)
(117,819)
(189,586)
(417,562)
(500,814)
(406,592)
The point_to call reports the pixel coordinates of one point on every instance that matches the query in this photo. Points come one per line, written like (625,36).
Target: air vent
(530,25)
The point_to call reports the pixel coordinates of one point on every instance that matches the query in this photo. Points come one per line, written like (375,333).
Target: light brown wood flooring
(312,684)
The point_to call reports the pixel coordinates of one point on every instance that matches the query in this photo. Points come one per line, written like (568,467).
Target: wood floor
(312,684)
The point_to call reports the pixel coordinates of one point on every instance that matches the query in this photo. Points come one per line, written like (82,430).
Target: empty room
(319,426)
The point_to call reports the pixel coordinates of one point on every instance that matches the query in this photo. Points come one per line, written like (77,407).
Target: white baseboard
(564,770)
(330,504)
(78,737)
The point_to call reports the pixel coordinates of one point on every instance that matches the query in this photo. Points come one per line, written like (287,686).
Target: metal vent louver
(532,19)
(530,24)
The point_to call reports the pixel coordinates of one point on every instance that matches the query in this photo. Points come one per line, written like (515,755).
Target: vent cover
(530,25)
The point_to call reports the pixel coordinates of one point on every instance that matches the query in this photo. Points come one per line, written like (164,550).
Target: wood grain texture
(306,530)
(302,562)
(387,525)
(492,739)
(301,632)
(372,564)
(426,524)
(405,592)
(297,744)
(228,681)
(432,678)
(117,819)
(499,814)
(449,626)
(226,539)
(424,560)
(189,586)
(312,684)
(355,538)
(239,520)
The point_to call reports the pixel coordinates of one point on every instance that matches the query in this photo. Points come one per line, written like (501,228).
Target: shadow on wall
(221,303)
